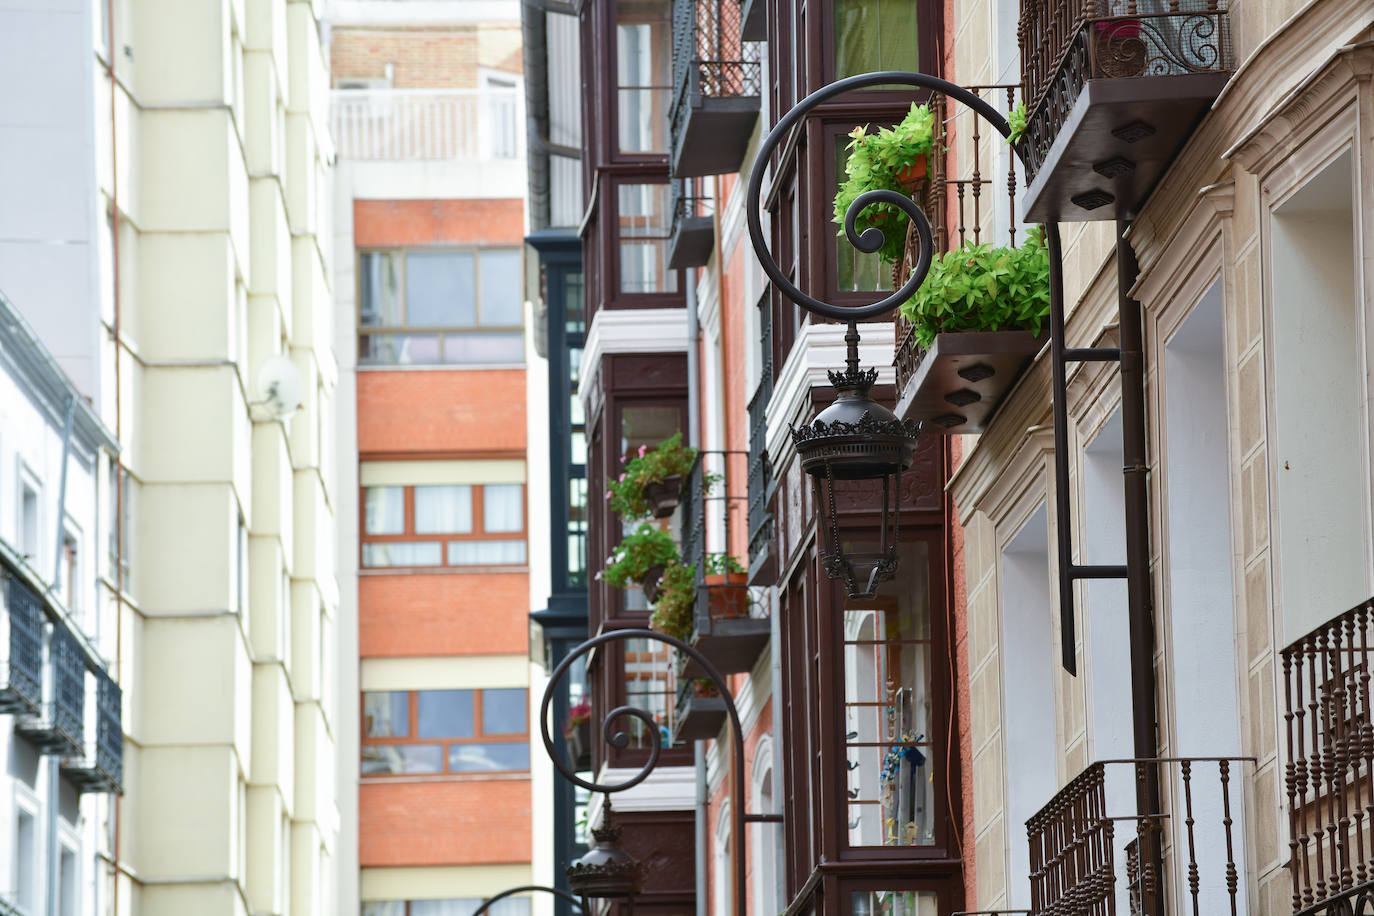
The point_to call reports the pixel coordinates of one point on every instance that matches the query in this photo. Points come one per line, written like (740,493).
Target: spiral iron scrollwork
(871,239)
(510,892)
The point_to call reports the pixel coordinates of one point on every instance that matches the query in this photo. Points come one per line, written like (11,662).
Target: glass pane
(445,714)
(404,553)
(858,272)
(484,348)
(644,210)
(887,710)
(572,301)
(386,714)
(577,451)
(398,349)
(893,903)
(503,507)
(379,288)
(647,426)
(644,267)
(385,908)
(875,35)
(503,303)
(643,120)
(643,231)
(488,758)
(384,510)
(381,759)
(440,289)
(650,684)
(443,509)
(486,553)
(464,907)
(504,711)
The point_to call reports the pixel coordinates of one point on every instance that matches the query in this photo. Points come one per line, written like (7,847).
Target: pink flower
(609,494)
(642,450)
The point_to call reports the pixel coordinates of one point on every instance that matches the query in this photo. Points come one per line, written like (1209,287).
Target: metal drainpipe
(1137,505)
(54,763)
(694,436)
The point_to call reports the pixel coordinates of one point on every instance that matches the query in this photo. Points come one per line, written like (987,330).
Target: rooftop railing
(398,125)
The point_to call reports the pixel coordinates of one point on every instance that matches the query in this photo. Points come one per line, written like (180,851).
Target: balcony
(700,711)
(402,125)
(753,22)
(1113,89)
(101,767)
(1329,777)
(693,235)
(1081,863)
(725,632)
(957,384)
(21,651)
(763,561)
(59,726)
(717,81)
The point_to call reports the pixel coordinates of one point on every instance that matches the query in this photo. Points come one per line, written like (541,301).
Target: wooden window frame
(363,331)
(615,297)
(478,532)
(411,738)
(611,74)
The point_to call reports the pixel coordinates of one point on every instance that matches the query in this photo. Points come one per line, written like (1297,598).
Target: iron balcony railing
(707,507)
(397,125)
(21,667)
(59,728)
(1090,855)
(760,472)
(1065,43)
(1329,777)
(101,766)
(709,57)
(968,198)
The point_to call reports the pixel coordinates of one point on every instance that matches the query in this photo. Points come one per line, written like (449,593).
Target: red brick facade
(453,822)
(434,412)
(443,614)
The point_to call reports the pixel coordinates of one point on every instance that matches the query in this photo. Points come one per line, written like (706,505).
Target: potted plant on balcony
(727,587)
(577,731)
(673,613)
(982,288)
(640,557)
(651,482)
(894,159)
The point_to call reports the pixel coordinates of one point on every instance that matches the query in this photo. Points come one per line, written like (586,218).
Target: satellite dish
(279,387)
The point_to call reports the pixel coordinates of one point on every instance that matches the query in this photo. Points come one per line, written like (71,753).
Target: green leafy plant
(1016,119)
(669,458)
(636,553)
(674,611)
(887,160)
(718,564)
(983,288)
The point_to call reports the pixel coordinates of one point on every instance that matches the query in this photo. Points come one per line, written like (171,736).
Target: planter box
(580,747)
(963,378)
(663,495)
(698,718)
(650,582)
(727,636)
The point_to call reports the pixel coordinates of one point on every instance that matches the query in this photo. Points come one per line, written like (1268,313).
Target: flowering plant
(636,554)
(669,458)
(673,611)
(891,159)
(579,712)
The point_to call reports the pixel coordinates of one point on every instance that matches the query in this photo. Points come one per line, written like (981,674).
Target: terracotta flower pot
(913,173)
(663,495)
(728,596)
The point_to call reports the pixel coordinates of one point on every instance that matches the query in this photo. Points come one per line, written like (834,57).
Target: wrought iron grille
(1064,43)
(707,485)
(69,686)
(760,470)
(109,744)
(1081,865)
(21,675)
(1329,777)
(956,206)
(709,57)
(687,204)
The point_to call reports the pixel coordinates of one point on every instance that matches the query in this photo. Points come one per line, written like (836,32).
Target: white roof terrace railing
(394,125)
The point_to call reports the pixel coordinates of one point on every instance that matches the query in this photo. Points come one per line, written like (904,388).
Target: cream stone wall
(1301,96)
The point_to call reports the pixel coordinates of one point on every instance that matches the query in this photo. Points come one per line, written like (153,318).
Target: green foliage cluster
(647,546)
(983,288)
(626,493)
(1016,119)
(673,613)
(875,162)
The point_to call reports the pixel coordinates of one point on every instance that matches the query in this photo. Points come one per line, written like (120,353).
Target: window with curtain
(440,306)
(643,44)
(876,35)
(642,238)
(432,732)
(437,525)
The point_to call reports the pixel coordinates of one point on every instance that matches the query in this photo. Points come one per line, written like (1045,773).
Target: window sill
(439,570)
(374,780)
(437,367)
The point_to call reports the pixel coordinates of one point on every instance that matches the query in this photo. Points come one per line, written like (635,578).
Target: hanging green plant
(669,459)
(983,288)
(636,554)
(893,159)
(674,611)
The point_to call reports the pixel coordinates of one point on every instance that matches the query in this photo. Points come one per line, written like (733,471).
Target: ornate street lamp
(856,438)
(606,871)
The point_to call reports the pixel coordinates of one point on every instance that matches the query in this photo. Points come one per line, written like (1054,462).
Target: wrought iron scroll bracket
(578,902)
(618,739)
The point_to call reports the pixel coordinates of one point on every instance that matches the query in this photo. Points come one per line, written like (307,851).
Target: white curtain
(384,510)
(503,507)
(443,509)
